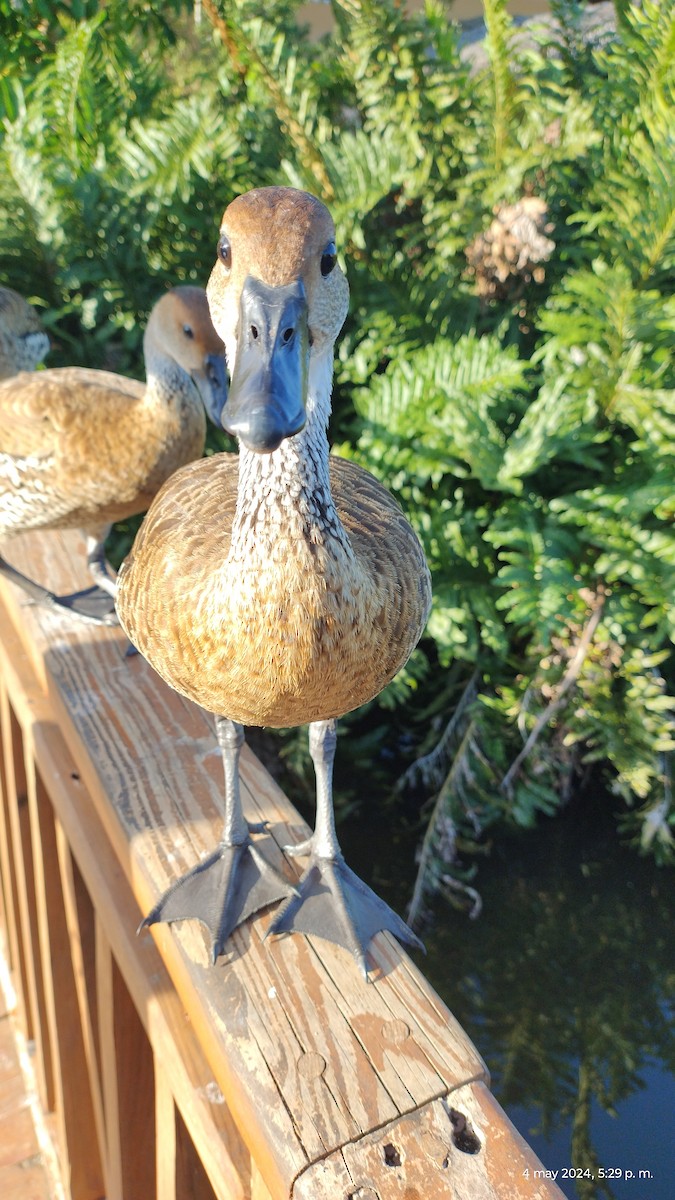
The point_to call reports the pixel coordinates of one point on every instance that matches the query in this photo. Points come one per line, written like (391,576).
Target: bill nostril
(254,332)
(287,335)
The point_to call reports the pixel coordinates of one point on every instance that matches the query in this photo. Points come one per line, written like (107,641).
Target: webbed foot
(92,604)
(222,891)
(334,903)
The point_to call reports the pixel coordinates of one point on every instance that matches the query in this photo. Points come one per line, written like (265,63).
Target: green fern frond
(192,137)
(635,213)
(498,29)
(364,169)
(449,397)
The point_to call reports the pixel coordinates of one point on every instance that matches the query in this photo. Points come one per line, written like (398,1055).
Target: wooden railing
(279,1072)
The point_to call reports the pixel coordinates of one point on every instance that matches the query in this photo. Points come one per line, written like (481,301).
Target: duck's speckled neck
(168,383)
(287,494)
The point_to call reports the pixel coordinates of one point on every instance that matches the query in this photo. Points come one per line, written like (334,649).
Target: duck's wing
(186,533)
(193,509)
(384,540)
(39,409)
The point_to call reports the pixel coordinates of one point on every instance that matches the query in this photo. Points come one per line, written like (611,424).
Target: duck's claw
(334,903)
(222,891)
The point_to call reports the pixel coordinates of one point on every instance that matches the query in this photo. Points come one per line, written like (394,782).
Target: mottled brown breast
(290,638)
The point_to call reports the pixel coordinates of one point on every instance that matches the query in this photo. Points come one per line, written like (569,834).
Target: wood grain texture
(312,1062)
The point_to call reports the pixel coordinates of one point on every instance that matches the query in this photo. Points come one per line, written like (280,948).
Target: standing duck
(84,448)
(303,587)
(23,341)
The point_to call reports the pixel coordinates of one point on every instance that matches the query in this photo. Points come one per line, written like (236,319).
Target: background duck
(23,341)
(303,587)
(84,448)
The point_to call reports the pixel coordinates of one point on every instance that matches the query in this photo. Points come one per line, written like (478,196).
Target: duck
(304,588)
(23,341)
(83,448)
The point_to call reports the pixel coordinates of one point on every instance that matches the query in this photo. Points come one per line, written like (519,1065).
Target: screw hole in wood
(391,1155)
(463,1135)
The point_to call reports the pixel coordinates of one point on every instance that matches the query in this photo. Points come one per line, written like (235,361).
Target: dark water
(565,983)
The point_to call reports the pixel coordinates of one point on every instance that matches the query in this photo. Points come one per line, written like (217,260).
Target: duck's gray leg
(331,900)
(91,604)
(236,880)
(99,567)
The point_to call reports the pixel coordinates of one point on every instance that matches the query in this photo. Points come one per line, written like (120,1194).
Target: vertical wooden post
(192,1182)
(180,1172)
(259,1189)
(10,889)
(128,1083)
(80,921)
(165,1125)
(77,1126)
(36,1024)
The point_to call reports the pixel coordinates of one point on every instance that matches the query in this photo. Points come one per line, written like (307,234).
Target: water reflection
(567,985)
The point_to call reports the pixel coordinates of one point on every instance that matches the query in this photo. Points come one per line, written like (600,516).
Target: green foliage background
(530,436)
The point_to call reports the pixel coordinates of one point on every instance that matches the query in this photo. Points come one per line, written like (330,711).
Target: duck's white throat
(286,494)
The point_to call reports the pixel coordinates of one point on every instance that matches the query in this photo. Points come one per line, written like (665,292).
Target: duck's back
(299,633)
(77,444)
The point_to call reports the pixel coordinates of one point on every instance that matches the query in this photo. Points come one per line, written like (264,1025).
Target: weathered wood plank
(154,755)
(459,1146)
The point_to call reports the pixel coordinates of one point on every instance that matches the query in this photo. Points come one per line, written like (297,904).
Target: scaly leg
(236,880)
(99,567)
(331,900)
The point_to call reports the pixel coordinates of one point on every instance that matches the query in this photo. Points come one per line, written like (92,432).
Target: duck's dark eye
(328,259)
(188,331)
(225,252)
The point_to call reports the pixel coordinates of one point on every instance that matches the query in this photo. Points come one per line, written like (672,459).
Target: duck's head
(278,298)
(25,342)
(180,327)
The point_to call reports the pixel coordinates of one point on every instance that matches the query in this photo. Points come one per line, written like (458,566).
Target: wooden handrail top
(338,1088)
